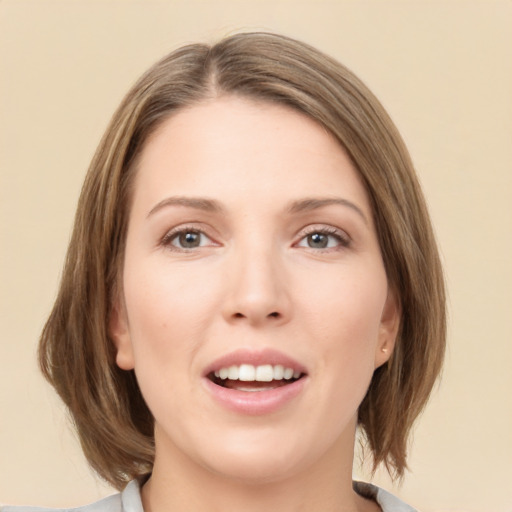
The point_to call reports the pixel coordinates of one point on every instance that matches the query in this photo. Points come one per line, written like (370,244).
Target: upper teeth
(263,373)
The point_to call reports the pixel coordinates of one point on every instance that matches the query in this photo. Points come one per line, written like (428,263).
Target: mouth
(251,378)
(252,382)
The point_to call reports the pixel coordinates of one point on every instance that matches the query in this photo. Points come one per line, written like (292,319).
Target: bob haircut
(76,354)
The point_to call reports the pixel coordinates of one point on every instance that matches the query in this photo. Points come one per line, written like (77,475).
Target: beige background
(444,72)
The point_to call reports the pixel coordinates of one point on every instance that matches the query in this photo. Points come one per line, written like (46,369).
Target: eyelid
(166,240)
(343,237)
(329,230)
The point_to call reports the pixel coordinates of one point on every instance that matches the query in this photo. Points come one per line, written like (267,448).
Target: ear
(120,334)
(388,329)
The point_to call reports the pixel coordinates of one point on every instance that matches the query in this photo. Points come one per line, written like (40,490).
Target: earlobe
(388,329)
(120,335)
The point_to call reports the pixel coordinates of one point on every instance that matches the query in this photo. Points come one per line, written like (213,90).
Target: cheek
(344,315)
(168,309)
(160,335)
(348,302)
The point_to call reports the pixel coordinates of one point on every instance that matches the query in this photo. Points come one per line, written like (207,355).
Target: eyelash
(341,237)
(170,236)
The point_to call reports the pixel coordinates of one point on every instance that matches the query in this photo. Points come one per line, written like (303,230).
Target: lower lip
(255,402)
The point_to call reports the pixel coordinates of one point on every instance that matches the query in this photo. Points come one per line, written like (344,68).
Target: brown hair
(77,357)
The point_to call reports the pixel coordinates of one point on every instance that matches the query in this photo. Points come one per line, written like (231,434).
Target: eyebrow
(213,206)
(314,203)
(198,203)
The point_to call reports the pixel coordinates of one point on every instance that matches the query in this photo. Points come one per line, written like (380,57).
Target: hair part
(76,355)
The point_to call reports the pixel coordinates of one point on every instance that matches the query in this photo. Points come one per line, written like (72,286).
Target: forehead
(233,145)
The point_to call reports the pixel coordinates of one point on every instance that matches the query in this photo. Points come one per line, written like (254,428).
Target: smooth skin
(250,228)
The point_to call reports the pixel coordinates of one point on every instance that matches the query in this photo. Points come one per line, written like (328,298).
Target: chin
(256,468)
(260,456)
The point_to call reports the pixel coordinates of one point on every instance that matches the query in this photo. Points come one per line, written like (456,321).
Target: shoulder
(109,504)
(127,501)
(130,501)
(387,501)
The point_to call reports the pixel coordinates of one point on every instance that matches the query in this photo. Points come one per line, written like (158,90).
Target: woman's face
(255,302)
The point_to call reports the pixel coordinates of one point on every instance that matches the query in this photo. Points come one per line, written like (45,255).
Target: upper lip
(256,358)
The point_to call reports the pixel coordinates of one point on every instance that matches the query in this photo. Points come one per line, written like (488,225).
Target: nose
(258,289)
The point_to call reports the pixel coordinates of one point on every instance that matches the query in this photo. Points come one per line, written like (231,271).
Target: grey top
(130,501)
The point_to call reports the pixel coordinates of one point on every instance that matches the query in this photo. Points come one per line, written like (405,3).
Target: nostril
(274,314)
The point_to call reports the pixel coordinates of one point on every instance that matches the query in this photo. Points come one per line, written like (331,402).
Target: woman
(252,276)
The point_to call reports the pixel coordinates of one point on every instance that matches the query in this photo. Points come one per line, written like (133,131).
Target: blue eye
(186,239)
(318,241)
(324,239)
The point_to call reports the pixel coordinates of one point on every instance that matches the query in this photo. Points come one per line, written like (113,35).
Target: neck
(181,485)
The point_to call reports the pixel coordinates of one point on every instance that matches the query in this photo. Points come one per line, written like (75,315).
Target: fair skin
(251,241)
